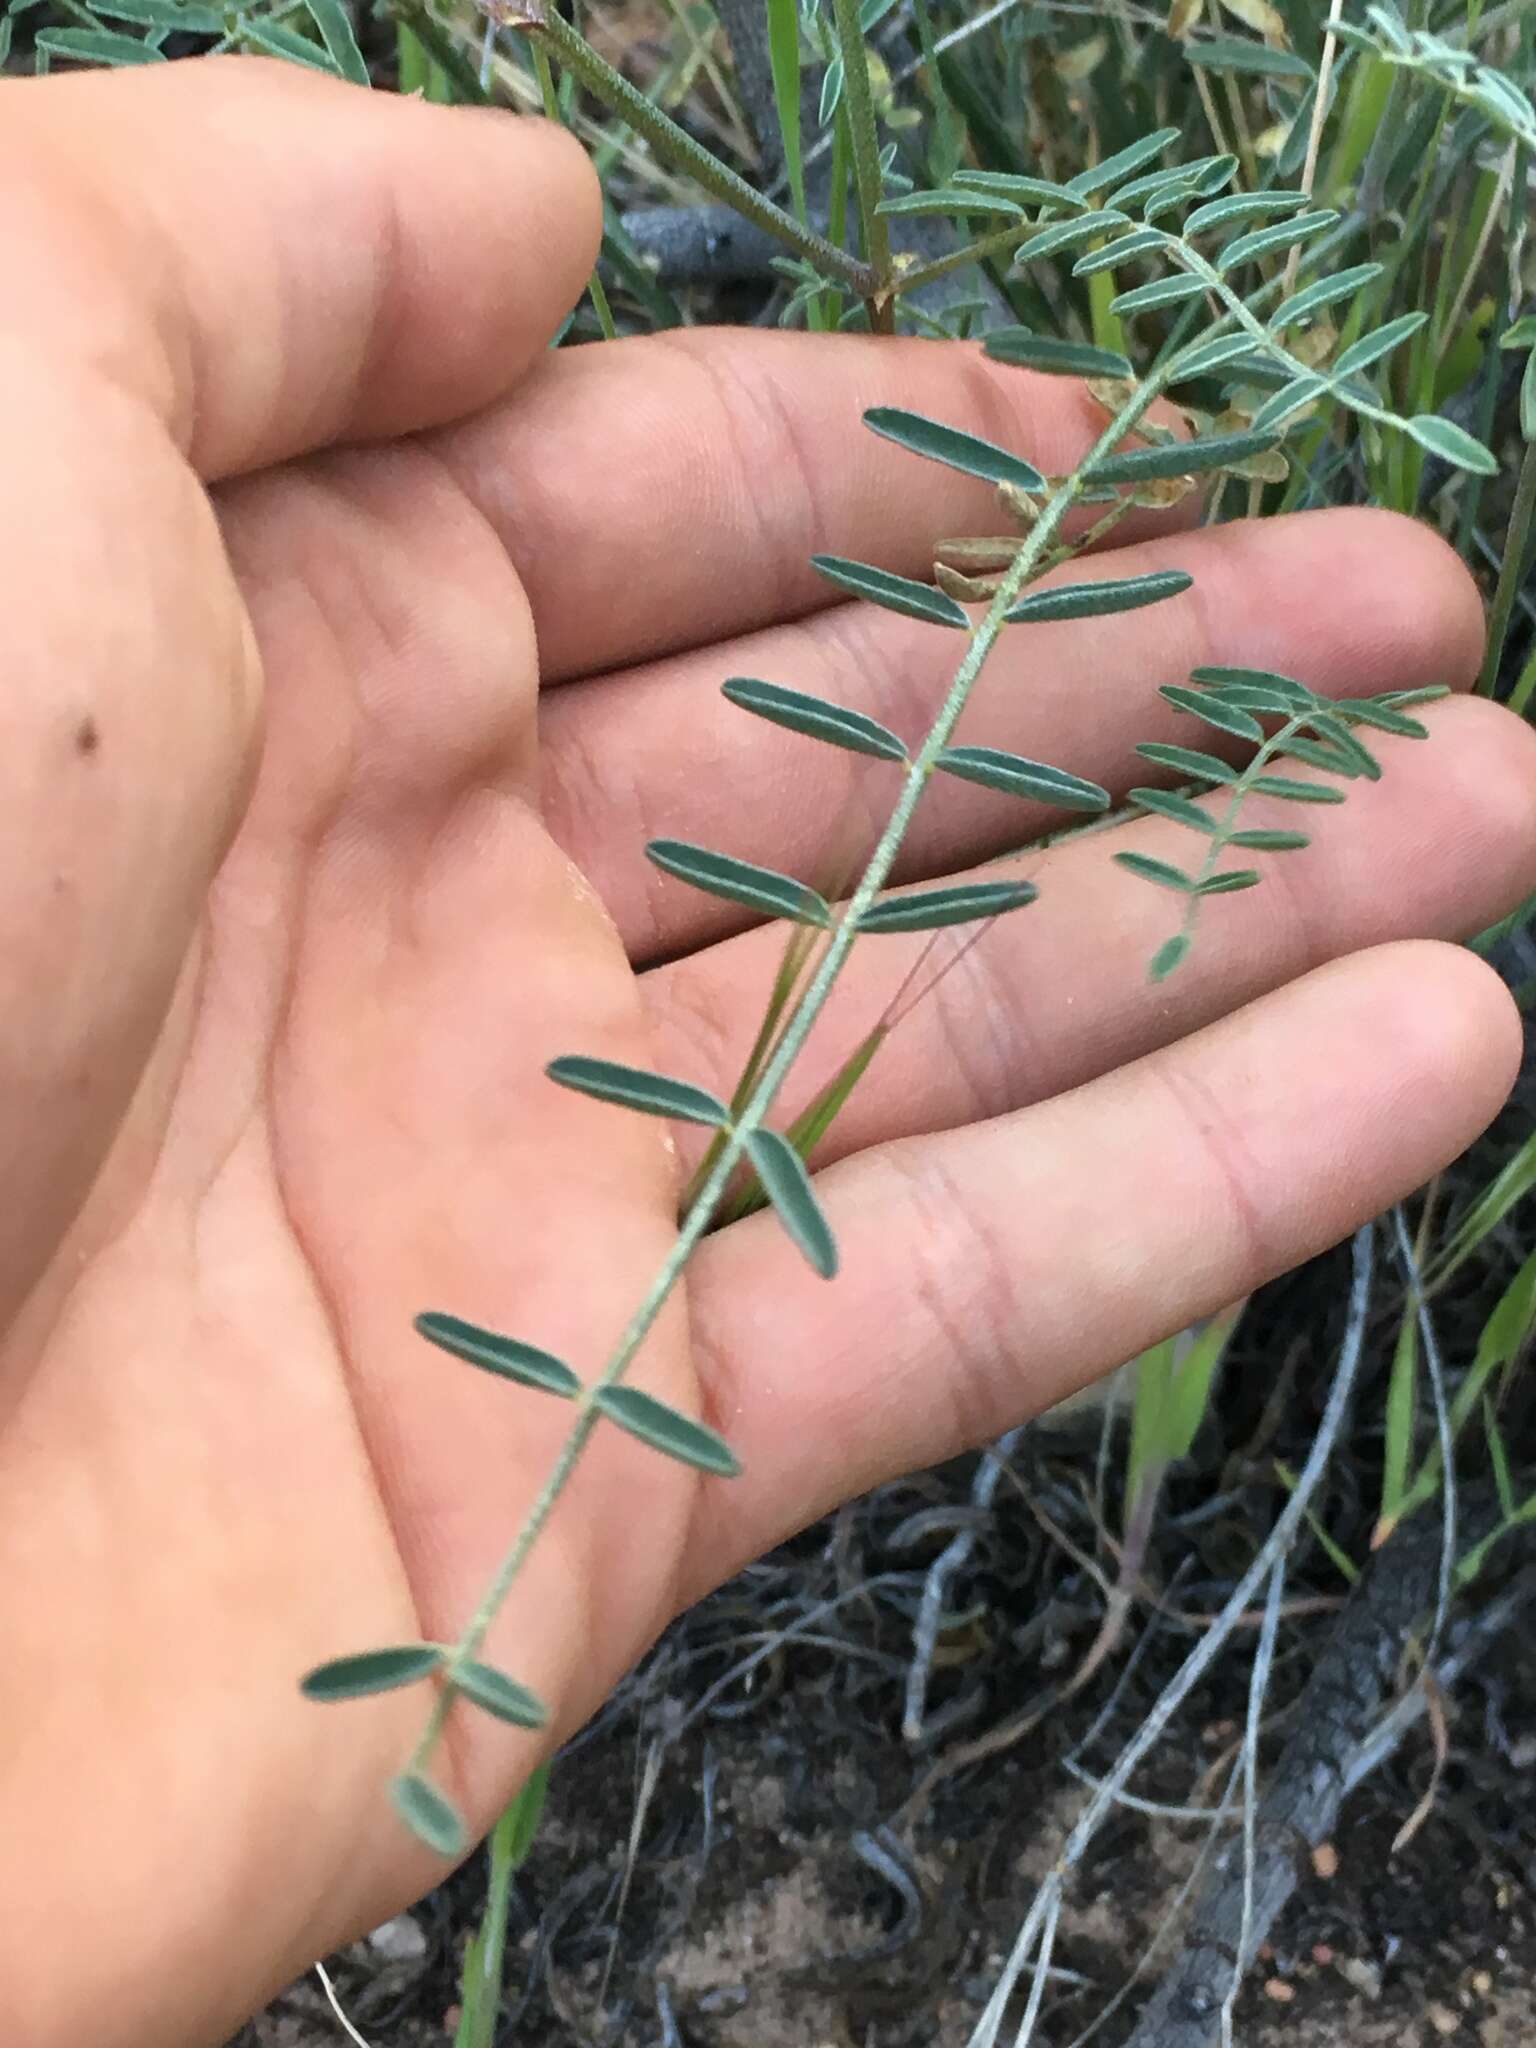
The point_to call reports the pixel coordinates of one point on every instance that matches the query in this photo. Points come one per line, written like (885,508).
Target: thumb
(274,260)
(210,266)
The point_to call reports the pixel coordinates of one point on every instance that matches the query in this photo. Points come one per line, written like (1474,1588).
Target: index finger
(273,260)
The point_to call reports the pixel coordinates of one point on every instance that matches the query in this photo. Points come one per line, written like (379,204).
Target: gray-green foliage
(1278,719)
(1216,280)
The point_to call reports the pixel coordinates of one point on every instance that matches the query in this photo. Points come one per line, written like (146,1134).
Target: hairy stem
(540,20)
(797,1029)
(993,243)
(866,161)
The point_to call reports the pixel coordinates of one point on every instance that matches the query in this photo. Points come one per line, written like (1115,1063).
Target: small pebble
(1363,1976)
(1443,2020)
(400,1940)
(1277,1989)
(1325,1861)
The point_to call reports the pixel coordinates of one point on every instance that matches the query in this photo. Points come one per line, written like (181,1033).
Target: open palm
(306,887)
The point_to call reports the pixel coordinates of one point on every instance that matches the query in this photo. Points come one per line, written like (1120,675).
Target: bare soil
(748,1918)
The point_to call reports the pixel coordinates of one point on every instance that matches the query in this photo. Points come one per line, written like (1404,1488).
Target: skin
(305,886)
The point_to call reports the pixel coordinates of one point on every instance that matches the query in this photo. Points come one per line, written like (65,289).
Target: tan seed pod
(1184,15)
(1158,493)
(984,555)
(1269,468)
(1023,507)
(1111,392)
(1269,142)
(1082,59)
(1314,344)
(1263,19)
(965,589)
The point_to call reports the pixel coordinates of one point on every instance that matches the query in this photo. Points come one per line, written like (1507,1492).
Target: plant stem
(1517,546)
(797,1029)
(991,244)
(540,20)
(866,162)
(1315,133)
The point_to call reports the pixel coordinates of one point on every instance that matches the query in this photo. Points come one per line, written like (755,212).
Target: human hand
(301,899)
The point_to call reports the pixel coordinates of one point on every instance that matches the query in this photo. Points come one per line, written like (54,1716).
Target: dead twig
(1336,1723)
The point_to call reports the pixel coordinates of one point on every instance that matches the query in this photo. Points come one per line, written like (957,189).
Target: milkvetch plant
(1242,320)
